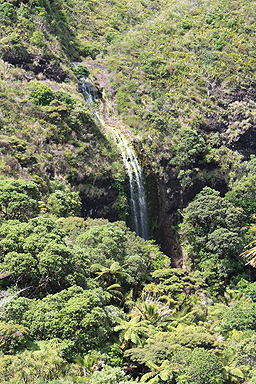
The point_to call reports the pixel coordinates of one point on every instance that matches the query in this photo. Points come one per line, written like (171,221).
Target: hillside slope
(83,299)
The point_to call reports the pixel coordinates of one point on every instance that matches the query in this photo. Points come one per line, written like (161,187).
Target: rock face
(100,200)
(35,63)
(236,120)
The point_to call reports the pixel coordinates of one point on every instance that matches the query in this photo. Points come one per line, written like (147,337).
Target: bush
(7,13)
(189,148)
(79,316)
(12,337)
(122,101)
(18,199)
(64,203)
(109,375)
(199,367)
(80,70)
(41,94)
(240,317)
(38,39)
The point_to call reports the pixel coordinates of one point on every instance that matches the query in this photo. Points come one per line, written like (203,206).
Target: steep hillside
(179,75)
(97,97)
(184,82)
(47,129)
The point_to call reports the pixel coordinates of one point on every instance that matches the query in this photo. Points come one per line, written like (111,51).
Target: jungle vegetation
(83,299)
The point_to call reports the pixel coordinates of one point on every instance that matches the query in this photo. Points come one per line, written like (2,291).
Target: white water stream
(131,163)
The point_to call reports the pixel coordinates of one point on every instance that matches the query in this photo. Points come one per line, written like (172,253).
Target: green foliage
(192,337)
(35,254)
(239,317)
(89,363)
(182,75)
(190,148)
(246,352)
(41,94)
(81,71)
(72,226)
(153,310)
(66,98)
(253,378)
(38,39)
(122,101)
(115,355)
(64,203)
(155,68)
(109,243)
(12,338)
(164,345)
(19,199)
(165,372)
(7,13)
(28,366)
(204,48)
(74,314)
(109,375)
(211,230)
(118,184)
(243,195)
(250,253)
(212,212)
(173,281)
(133,331)
(112,274)
(157,352)
(57,111)
(199,366)
(248,288)
(251,166)
(107,240)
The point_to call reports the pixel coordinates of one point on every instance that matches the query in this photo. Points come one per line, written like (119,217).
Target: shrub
(80,70)
(41,94)
(38,39)
(64,203)
(199,366)
(12,337)
(7,13)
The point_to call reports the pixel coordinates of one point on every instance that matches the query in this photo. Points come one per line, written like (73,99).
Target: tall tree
(211,233)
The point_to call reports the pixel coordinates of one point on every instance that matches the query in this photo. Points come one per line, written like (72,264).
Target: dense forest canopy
(83,299)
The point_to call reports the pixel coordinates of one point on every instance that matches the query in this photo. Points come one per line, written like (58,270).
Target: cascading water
(131,163)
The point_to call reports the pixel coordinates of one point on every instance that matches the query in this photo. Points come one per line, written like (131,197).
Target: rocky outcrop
(38,64)
(235,121)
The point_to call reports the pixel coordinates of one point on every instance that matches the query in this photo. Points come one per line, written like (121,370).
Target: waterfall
(131,163)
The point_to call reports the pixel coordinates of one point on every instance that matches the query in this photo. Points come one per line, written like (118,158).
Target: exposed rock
(18,334)
(236,120)
(45,65)
(99,201)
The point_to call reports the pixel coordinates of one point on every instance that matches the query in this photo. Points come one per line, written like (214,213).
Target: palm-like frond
(153,310)
(4,274)
(88,363)
(134,330)
(250,254)
(115,290)
(114,271)
(164,372)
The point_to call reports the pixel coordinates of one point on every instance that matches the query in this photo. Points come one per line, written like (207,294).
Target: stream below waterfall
(139,215)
